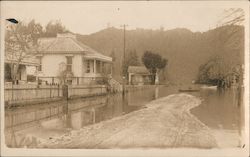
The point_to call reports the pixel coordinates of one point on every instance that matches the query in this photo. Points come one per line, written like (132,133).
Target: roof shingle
(138,70)
(67,44)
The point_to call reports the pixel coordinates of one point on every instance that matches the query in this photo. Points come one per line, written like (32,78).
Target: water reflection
(78,113)
(220,110)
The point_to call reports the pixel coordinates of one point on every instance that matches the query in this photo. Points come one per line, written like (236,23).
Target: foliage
(131,59)
(227,43)
(21,43)
(217,72)
(153,62)
(54,27)
(212,71)
(35,30)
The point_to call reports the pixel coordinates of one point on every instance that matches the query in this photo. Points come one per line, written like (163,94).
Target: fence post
(65,91)
(12,91)
(50,91)
(58,90)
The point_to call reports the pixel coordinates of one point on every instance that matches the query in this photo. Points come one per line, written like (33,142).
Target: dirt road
(164,123)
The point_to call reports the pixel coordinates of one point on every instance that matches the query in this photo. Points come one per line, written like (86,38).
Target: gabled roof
(138,70)
(68,44)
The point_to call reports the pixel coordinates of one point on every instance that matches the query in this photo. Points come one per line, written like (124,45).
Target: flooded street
(218,111)
(221,112)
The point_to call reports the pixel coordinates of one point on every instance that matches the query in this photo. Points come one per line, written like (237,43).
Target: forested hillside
(186,51)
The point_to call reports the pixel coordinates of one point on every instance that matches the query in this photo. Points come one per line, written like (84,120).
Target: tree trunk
(153,79)
(14,72)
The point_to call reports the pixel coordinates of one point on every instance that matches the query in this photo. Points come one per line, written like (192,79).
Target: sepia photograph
(115,77)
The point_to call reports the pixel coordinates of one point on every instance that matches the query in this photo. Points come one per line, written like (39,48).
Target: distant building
(65,53)
(138,75)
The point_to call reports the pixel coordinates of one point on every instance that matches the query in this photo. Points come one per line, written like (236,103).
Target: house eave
(22,63)
(102,58)
(40,53)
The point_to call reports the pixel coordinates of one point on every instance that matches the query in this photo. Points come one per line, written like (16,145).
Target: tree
(21,43)
(131,59)
(228,45)
(153,62)
(213,72)
(35,30)
(54,27)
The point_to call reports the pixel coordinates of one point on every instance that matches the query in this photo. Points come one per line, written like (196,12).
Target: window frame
(69,62)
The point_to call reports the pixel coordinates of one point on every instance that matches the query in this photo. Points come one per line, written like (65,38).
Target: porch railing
(73,80)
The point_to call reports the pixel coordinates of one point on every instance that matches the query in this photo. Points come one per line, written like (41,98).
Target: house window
(39,68)
(69,63)
(87,66)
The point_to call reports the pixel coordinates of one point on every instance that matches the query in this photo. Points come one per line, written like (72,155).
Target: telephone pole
(124,57)
(124,46)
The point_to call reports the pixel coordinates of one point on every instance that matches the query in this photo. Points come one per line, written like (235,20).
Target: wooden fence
(74,80)
(17,94)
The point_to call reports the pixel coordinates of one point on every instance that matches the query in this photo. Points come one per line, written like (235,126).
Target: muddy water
(218,111)
(222,112)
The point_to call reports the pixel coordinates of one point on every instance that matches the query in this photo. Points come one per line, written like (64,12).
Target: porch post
(94,66)
(129,78)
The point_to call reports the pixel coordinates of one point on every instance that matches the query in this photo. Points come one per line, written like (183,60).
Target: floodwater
(222,111)
(219,111)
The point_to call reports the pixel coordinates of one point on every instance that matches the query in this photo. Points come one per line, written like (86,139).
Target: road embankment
(164,123)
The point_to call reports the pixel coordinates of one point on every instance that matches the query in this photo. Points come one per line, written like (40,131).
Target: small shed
(138,75)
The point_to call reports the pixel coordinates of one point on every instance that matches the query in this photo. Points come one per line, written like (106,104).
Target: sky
(90,17)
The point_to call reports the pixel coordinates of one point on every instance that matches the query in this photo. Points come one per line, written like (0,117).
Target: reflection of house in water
(137,97)
(93,111)
(55,117)
(138,75)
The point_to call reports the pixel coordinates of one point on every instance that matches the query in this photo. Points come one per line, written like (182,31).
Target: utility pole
(124,57)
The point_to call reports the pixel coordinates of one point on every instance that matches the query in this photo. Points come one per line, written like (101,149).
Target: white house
(65,53)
